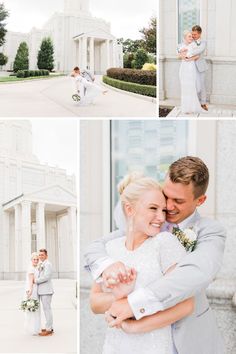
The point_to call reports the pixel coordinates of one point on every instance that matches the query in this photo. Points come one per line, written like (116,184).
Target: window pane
(189,15)
(146,146)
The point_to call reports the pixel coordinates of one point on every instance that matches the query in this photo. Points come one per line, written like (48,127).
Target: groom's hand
(119,311)
(116,273)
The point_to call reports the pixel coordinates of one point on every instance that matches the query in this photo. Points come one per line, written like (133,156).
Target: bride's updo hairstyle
(134,185)
(34,254)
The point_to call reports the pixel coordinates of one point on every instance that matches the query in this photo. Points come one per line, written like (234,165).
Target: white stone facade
(79,40)
(37,206)
(217,19)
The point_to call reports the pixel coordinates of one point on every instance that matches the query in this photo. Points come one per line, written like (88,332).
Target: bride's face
(35,261)
(188,38)
(148,212)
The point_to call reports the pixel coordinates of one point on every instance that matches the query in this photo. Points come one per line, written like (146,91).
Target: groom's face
(196,35)
(180,201)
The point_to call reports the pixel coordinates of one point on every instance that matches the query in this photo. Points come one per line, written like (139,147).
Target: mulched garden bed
(164,111)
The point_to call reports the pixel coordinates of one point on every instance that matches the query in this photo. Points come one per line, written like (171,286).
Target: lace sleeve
(171,250)
(31,270)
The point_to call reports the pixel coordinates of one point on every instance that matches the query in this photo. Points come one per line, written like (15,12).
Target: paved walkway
(92,328)
(52,98)
(12,336)
(215,111)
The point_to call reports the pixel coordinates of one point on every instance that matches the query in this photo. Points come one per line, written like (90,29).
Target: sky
(126,17)
(55,142)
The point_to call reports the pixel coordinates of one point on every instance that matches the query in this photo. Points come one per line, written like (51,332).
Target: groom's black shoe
(204,106)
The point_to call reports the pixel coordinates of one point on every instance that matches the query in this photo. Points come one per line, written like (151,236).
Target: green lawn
(5,79)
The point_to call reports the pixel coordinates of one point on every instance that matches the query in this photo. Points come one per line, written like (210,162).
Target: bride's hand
(29,293)
(122,290)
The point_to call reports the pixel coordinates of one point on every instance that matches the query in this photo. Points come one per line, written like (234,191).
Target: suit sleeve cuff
(144,303)
(98,267)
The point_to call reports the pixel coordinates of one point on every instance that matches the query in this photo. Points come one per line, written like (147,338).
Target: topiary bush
(146,90)
(32,73)
(142,77)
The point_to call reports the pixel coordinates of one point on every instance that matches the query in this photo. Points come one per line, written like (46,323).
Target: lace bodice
(35,271)
(151,260)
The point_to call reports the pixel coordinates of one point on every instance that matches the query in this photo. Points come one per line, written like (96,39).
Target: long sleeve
(96,258)
(198,49)
(194,273)
(47,274)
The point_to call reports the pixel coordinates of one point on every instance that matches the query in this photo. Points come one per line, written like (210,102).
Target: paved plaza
(92,327)
(52,98)
(13,339)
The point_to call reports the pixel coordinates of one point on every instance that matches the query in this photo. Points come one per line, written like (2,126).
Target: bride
(32,319)
(88,91)
(152,254)
(189,77)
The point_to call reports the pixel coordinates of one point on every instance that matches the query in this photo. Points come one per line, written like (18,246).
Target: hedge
(143,77)
(30,73)
(146,90)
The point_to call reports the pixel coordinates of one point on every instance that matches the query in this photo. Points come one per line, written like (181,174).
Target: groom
(45,290)
(184,188)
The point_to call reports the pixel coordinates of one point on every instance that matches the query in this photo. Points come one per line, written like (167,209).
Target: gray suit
(45,291)
(201,65)
(198,332)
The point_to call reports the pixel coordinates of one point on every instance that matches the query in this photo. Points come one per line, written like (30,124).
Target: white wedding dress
(32,319)
(88,91)
(190,84)
(151,260)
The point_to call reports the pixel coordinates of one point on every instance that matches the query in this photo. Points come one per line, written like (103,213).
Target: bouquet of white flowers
(30,305)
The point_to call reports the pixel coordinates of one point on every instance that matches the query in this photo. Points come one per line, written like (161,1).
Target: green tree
(3,59)
(140,58)
(128,58)
(3,15)
(45,55)
(21,61)
(130,45)
(149,36)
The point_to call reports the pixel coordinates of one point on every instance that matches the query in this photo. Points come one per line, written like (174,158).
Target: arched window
(188,16)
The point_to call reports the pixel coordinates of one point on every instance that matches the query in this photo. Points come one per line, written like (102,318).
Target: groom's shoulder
(210,224)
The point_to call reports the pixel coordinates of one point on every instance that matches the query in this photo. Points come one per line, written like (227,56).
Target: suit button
(142,310)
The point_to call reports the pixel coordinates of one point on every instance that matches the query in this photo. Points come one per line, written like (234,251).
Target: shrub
(20,73)
(149,66)
(142,77)
(146,90)
(140,58)
(45,55)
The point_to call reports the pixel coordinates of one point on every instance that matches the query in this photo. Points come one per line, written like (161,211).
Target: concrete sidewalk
(53,98)
(12,336)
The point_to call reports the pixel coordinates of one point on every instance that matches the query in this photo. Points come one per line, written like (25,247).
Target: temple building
(79,39)
(37,207)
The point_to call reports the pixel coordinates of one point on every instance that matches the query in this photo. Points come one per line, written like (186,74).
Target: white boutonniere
(41,266)
(187,237)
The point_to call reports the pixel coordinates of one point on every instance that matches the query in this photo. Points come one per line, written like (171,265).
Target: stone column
(84,53)
(6,250)
(26,233)
(91,54)
(72,223)
(18,239)
(40,225)
(107,54)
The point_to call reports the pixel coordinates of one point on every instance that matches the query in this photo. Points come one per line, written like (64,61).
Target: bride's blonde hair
(134,185)
(34,254)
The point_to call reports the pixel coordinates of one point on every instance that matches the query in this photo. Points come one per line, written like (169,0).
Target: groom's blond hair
(188,170)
